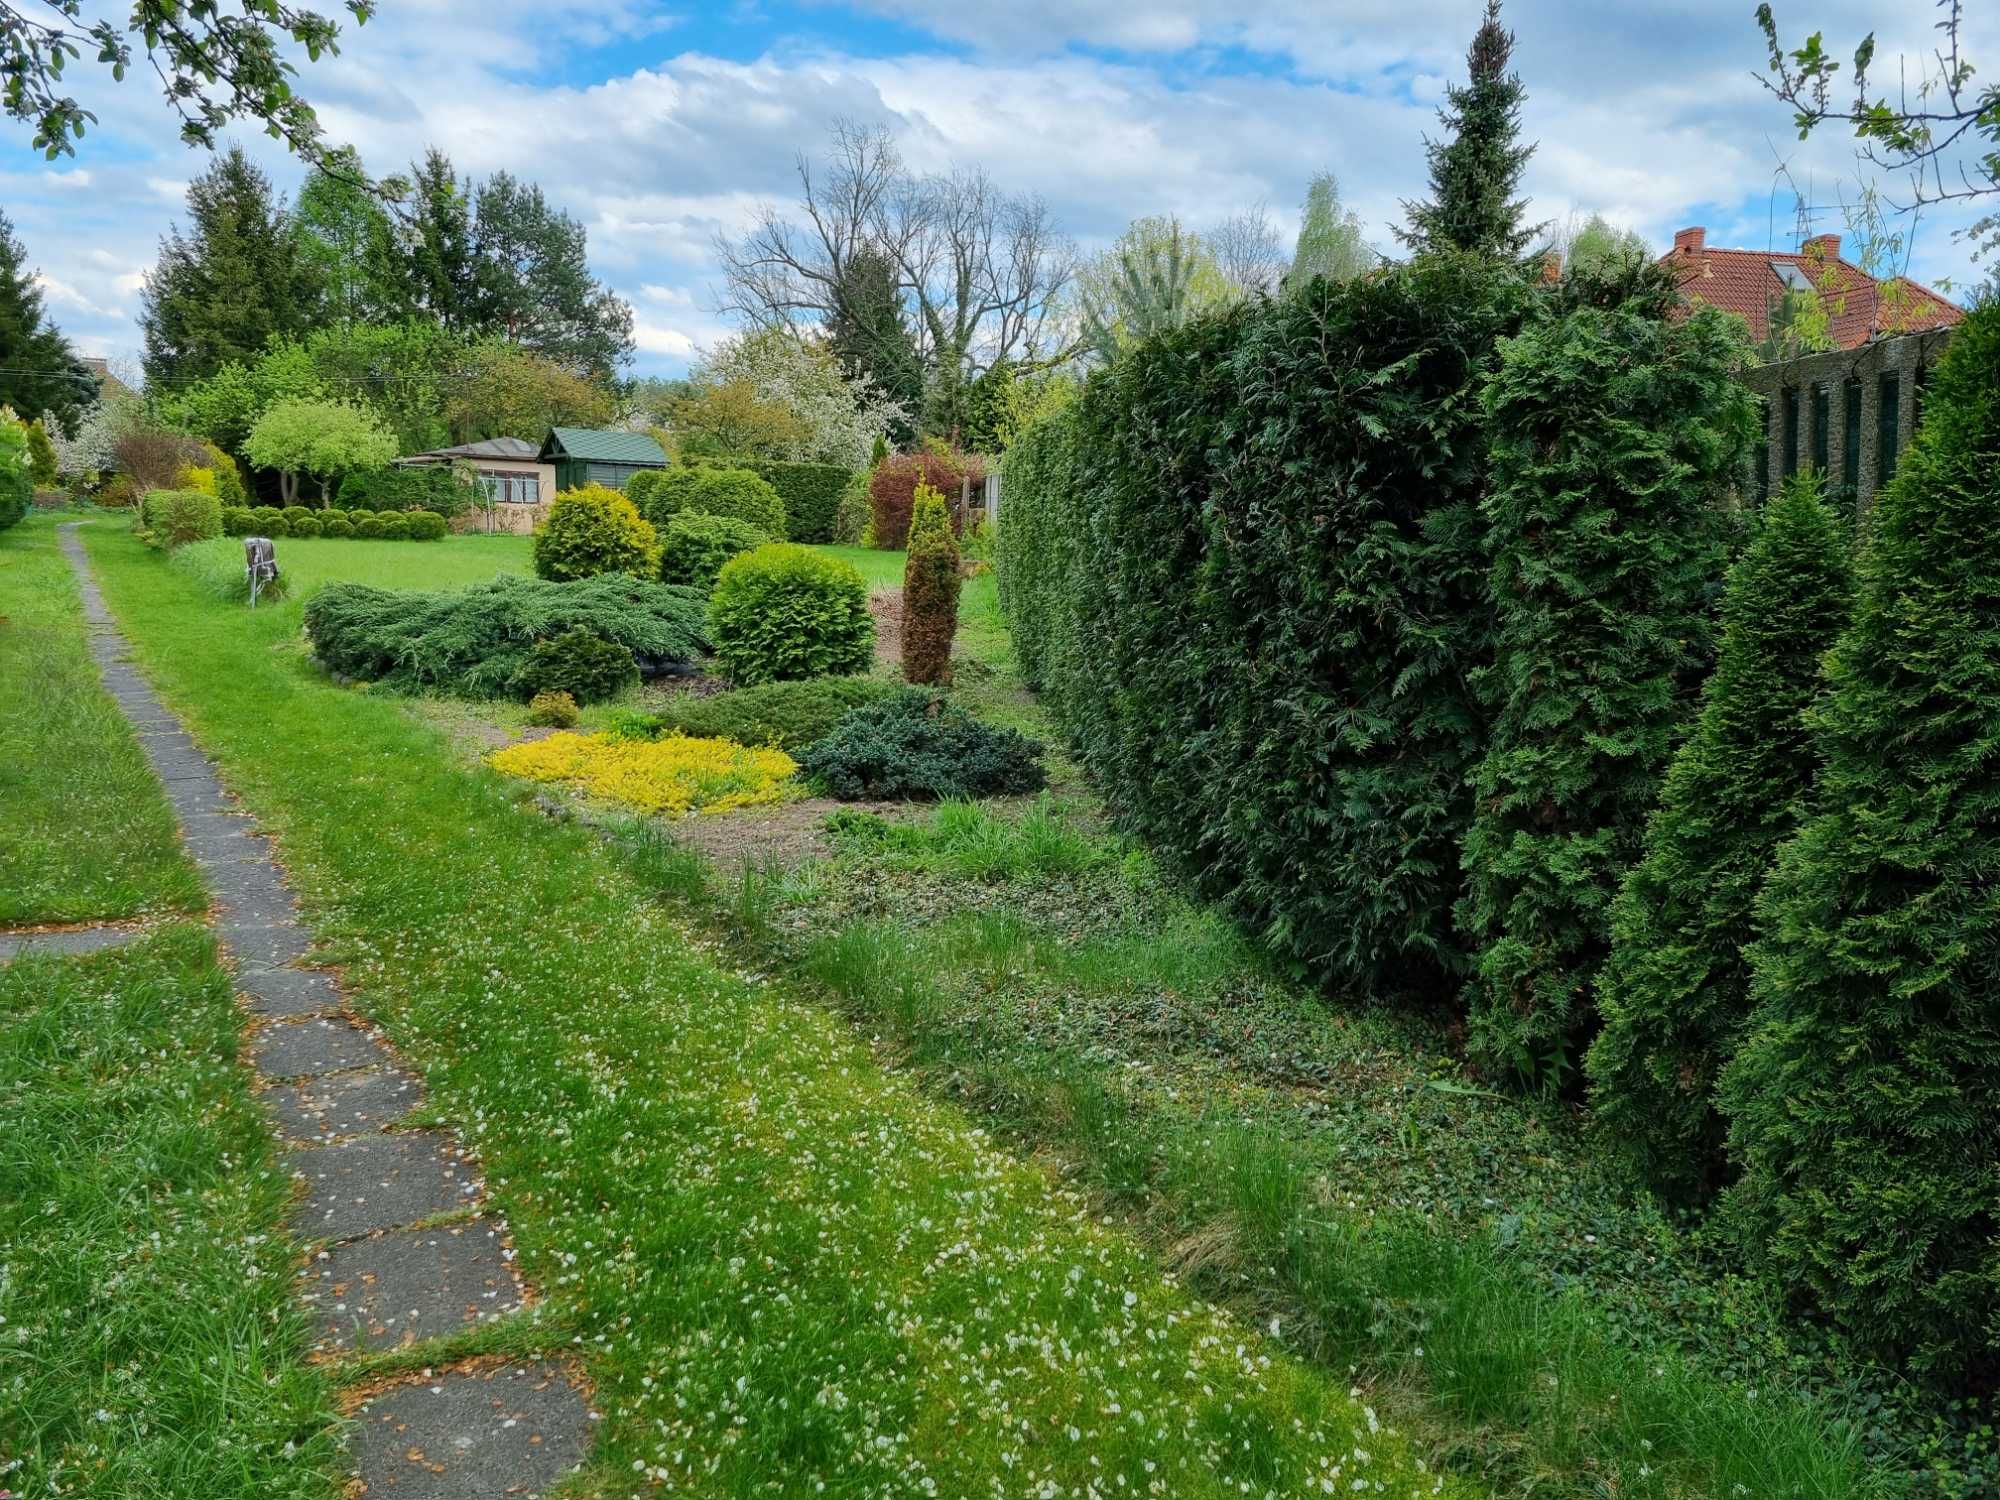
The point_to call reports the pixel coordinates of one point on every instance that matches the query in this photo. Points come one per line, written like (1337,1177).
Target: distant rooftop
(601,446)
(518,449)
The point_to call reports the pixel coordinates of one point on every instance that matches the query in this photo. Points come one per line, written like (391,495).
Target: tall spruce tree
(221,290)
(39,372)
(1477,166)
(1614,436)
(440,276)
(1675,992)
(869,332)
(1864,1107)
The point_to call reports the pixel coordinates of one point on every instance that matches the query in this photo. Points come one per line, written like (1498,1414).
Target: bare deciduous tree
(1248,251)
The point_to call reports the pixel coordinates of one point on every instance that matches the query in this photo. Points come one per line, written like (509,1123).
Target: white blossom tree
(838,417)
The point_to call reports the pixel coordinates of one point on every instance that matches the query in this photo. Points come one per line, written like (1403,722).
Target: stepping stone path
(401,1250)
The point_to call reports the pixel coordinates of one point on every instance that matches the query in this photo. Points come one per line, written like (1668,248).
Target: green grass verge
(784,1267)
(150,1338)
(85,832)
(308,562)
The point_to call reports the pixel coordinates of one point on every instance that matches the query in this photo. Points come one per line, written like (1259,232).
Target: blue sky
(662,126)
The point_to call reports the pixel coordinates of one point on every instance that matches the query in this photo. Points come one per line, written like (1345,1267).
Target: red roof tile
(1859,307)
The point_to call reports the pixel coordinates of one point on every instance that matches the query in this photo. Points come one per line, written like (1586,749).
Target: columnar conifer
(1675,993)
(930,590)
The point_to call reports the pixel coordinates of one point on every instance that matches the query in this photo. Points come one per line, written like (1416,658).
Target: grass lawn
(150,1339)
(84,830)
(786,1270)
(308,562)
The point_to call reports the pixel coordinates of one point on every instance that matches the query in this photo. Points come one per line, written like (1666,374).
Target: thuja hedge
(1244,568)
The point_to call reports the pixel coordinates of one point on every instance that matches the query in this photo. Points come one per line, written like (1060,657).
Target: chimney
(1690,241)
(1822,248)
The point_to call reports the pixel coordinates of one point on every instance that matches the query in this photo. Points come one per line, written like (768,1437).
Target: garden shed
(589,455)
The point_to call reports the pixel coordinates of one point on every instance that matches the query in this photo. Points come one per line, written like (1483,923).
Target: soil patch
(784,834)
(886,605)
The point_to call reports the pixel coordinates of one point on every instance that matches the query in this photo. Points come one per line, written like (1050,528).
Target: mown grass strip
(86,833)
(150,1339)
(787,1271)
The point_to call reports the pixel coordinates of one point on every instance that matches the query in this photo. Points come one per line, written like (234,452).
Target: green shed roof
(602,447)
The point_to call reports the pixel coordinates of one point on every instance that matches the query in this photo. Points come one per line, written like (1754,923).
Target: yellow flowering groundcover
(676,774)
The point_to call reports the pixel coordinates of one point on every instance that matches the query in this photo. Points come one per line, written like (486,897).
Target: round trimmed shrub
(395,526)
(595,530)
(693,548)
(368,527)
(306,526)
(425,526)
(578,662)
(784,612)
(238,521)
(266,516)
(298,513)
(696,490)
(552,710)
(641,488)
(338,527)
(173,518)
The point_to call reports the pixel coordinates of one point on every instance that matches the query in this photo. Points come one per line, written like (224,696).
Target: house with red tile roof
(1860,308)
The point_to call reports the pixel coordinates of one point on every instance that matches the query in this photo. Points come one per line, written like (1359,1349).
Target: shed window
(1791,431)
(1822,426)
(1850,438)
(507,488)
(1888,397)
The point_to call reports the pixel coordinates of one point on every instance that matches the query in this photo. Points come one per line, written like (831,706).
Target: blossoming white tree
(838,418)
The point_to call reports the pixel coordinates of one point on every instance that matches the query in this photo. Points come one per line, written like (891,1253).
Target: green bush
(267,516)
(1675,992)
(174,518)
(306,526)
(930,591)
(1617,436)
(917,745)
(785,611)
(594,530)
(1244,571)
(579,663)
(237,521)
(693,547)
(553,710)
(17,487)
(852,512)
(1864,1105)
(294,514)
(789,715)
(810,494)
(338,527)
(470,642)
(699,490)
(425,526)
(369,528)
(393,526)
(431,487)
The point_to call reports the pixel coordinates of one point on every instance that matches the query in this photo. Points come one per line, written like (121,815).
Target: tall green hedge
(1865,1106)
(811,493)
(1616,436)
(1675,993)
(1244,568)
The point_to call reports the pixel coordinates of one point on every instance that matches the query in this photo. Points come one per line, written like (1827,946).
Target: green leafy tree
(1476,168)
(1864,1105)
(729,419)
(930,590)
(503,390)
(231,283)
(320,438)
(1330,242)
(1615,436)
(1597,247)
(213,66)
(41,456)
(17,490)
(347,243)
(226,405)
(407,372)
(1155,277)
(39,372)
(1675,992)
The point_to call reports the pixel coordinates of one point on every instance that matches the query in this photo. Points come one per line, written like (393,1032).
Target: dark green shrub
(785,611)
(694,547)
(1616,437)
(698,489)
(425,526)
(393,526)
(406,487)
(470,642)
(337,528)
(594,530)
(789,715)
(1674,994)
(267,516)
(920,746)
(810,493)
(640,490)
(852,512)
(173,518)
(305,526)
(296,513)
(1864,1104)
(553,710)
(930,591)
(579,663)
(1244,570)
(892,488)
(237,521)
(368,528)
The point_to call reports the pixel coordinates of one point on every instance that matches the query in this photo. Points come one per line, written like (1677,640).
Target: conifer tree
(1477,166)
(1675,992)
(220,291)
(39,372)
(41,456)
(930,590)
(1864,1106)
(1614,436)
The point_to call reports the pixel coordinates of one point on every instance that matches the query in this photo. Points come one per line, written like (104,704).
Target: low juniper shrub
(921,746)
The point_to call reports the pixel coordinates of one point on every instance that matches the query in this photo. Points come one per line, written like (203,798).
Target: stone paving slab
(481,1435)
(288,992)
(409,1284)
(379,1182)
(341,1104)
(305,1049)
(70,944)
(259,900)
(264,945)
